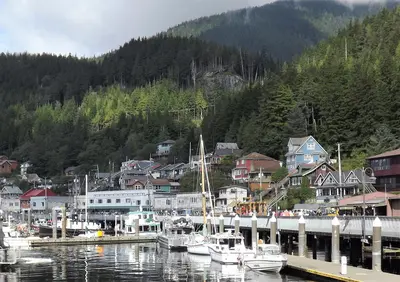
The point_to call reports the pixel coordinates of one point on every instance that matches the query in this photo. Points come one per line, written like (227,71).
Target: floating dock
(92,241)
(327,271)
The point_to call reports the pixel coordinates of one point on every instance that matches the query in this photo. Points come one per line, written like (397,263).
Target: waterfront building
(26,197)
(386,167)
(47,203)
(10,194)
(229,197)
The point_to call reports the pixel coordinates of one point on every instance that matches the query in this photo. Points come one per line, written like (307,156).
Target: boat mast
(203,167)
(87,201)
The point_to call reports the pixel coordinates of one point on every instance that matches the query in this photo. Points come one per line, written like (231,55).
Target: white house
(229,196)
(165,202)
(181,202)
(10,198)
(163,148)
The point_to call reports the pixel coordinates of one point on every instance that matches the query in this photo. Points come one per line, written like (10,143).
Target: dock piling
(273,229)
(221,224)
(302,237)
(377,245)
(335,255)
(237,224)
(254,232)
(209,230)
(137,226)
(54,223)
(64,223)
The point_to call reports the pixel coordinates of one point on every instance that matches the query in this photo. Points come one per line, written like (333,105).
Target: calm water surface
(128,262)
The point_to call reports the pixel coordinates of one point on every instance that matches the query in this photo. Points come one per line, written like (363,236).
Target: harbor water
(126,262)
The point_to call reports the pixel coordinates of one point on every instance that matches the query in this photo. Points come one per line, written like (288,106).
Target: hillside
(283,29)
(345,90)
(62,111)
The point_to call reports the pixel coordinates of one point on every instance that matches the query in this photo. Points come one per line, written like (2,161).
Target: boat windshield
(270,250)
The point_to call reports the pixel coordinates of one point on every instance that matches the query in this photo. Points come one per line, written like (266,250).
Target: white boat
(228,248)
(268,257)
(198,244)
(229,272)
(148,225)
(175,234)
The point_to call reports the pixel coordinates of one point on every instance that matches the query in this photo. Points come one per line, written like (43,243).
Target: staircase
(274,186)
(369,188)
(281,195)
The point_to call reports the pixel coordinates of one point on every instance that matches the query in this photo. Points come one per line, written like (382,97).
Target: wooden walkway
(330,271)
(90,241)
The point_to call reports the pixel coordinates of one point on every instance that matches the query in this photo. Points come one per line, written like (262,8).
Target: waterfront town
(257,183)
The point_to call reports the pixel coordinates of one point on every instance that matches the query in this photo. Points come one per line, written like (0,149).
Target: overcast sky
(92,27)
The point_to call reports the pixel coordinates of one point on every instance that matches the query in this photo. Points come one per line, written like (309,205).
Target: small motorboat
(267,257)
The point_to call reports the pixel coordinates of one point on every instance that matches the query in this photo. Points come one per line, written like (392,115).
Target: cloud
(92,27)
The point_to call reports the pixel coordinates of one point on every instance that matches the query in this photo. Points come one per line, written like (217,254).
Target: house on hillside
(229,197)
(386,167)
(164,148)
(304,150)
(249,167)
(70,171)
(24,168)
(331,187)
(311,171)
(225,149)
(7,166)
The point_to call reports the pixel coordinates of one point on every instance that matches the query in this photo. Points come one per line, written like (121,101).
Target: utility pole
(340,171)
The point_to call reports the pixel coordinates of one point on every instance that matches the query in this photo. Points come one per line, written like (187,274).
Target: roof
(36,192)
(265,165)
(256,156)
(167,142)
(369,198)
(11,189)
(160,182)
(232,186)
(386,154)
(4,162)
(230,146)
(71,168)
(298,141)
(227,152)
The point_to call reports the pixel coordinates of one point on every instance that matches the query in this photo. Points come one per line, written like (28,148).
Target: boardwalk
(332,271)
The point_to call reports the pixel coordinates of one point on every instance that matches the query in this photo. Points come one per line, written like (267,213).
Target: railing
(350,226)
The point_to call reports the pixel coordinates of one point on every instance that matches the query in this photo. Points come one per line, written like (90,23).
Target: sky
(93,27)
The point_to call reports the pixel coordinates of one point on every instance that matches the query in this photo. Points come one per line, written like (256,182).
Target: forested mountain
(283,28)
(344,90)
(63,111)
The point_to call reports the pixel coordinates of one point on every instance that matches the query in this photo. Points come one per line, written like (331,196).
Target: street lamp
(372,177)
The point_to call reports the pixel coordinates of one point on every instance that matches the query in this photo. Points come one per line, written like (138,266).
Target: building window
(34,204)
(118,201)
(243,162)
(168,202)
(42,204)
(307,157)
(108,201)
(138,203)
(147,202)
(11,204)
(138,187)
(91,201)
(99,201)
(127,201)
(311,146)
(16,204)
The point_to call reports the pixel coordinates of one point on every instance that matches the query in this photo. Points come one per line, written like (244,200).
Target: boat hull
(173,244)
(198,249)
(47,231)
(230,256)
(265,265)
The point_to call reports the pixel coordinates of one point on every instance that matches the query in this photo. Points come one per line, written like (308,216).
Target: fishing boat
(176,232)
(268,257)
(228,248)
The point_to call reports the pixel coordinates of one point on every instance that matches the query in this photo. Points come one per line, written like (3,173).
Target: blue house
(304,150)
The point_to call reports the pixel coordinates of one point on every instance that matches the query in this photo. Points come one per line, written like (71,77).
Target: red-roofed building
(26,197)
(386,167)
(248,169)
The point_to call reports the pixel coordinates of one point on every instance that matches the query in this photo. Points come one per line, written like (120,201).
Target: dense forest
(59,111)
(344,90)
(283,28)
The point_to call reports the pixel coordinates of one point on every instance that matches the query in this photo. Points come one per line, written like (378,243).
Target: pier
(316,269)
(92,241)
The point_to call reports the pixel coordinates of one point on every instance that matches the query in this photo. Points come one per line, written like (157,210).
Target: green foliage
(353,102)
(280,174)
(190,182)
(283,28)
(298,195)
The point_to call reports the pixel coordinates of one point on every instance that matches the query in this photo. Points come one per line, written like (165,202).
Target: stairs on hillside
(281,184)
(276,199)
(369,188)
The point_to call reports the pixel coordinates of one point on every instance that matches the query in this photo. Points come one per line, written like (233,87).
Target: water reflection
(130,262)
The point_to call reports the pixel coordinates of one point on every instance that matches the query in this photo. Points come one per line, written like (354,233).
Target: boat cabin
(147,222)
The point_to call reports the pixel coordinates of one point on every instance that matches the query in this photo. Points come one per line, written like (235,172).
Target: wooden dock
(327,271)
(92,241)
